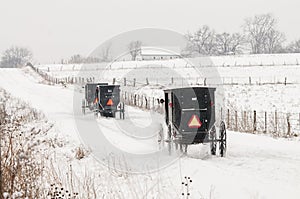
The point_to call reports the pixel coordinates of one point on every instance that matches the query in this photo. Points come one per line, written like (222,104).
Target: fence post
(276,121)
(204,83)
(114,81)
(236,121)
(228,118)
(147,81)
(254,121)
(245,121)
(172,80)
(249,80)
(289,125)
(124,81)
(265,122)
(285,80)
(146,102)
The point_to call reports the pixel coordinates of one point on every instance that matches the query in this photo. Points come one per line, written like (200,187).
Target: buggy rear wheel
(83,106)
(223,138)
(169,139)
(213,142)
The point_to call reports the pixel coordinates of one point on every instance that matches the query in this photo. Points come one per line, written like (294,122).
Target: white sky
(56,29)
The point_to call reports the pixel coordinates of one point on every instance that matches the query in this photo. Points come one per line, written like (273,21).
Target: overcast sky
(57,29)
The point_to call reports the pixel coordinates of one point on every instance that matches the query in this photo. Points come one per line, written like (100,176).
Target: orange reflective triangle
(110,102)
(194,122)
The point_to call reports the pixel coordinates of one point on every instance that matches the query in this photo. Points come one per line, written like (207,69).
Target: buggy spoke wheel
(223,138)
(170,139)
(213,142)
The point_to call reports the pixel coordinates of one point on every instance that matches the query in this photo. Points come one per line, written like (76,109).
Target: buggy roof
(188,88)
(99,83)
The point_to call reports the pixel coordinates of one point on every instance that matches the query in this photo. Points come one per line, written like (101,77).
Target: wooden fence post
(265,122)
(114,81)
(146,102)
(276,121)
(285,80)
(254,121)
(134,81)
(124,81)
(228,118)
(134,100)
(147,81)
(289,125)
(245,120)
(236,121)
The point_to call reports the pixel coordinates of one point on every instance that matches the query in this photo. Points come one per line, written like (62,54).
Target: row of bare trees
(205,41)
(15,57)
(260,35)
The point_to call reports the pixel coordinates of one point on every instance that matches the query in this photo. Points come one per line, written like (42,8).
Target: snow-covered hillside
(256,166)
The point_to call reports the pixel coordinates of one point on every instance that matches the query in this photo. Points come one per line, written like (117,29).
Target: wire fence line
(142,101)
(177,81)
(278,124)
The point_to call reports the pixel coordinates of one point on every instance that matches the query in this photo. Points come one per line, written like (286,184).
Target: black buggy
(90,96)
(190,118)
(108,101)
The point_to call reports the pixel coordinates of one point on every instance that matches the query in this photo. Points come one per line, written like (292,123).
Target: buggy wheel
(223,138)
(181,148)
(185,148)
(213,142)
(169,139)
(83,106)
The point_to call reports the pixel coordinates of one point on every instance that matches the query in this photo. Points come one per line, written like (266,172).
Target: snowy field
(237,69)
(256,166)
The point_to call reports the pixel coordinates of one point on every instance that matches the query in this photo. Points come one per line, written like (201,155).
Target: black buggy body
(109,100)
(90,96)
(190,117)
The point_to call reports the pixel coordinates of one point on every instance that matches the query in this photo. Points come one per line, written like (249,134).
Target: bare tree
(135,48)
(229,43)
(202,42)
(15,57)
(294,47)
(274,41)
(262,34)
(76,59)
(79,59)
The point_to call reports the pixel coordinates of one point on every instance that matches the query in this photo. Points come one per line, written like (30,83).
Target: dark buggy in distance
(90,96)
(108,103)
(190,117)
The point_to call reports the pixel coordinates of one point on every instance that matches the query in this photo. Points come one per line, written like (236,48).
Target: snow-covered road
(256,166)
